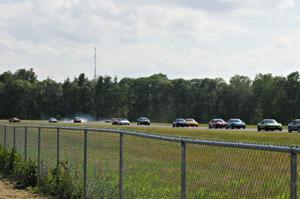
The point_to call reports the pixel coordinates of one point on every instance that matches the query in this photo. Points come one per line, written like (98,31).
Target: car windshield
(190,120)
(143,118)
(180,120)
(270,121)
(297,121)
(235,120)
(218,120)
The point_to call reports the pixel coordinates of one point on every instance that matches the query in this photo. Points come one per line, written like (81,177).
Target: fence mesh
(102,165)
(2,135)
(32,143)
(151,168)
(220,172)
(20,138)
(71,153)
(48,149)
(9,137)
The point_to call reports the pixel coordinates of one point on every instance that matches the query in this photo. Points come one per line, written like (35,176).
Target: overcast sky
(180,38)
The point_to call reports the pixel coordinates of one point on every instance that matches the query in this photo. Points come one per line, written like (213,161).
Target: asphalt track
(165,125)
(154,125)
(221,129)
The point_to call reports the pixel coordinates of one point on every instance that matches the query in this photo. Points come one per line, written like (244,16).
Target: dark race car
(77,120)
(179,122)
(143,121)
(235,123)
(294,125)
(269,124)
(217,123)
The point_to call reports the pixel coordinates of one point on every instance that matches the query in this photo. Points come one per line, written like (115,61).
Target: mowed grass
(152,167)
(247,136)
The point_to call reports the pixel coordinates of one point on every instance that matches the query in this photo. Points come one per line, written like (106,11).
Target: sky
(134,38)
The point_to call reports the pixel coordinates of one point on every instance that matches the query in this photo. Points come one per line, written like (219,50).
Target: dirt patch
(7,190)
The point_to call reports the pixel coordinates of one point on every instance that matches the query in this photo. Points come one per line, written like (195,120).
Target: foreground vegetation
(55,182)
(157,97)
(152,167)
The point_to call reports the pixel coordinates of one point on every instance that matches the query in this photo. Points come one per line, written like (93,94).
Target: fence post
(57,148)
(183,170)
(25,144)
(3,128)
(294,194)
(39,157)
(84,164)
(121,168)
(14,138)
(5,136)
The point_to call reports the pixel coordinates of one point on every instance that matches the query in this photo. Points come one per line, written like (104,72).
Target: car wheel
(209,126)
(244,127)
(280,129)
(258,129)
(231,127)
(289,130)
(226,127)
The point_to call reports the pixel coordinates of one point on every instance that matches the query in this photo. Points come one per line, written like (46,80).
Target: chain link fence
(108,163)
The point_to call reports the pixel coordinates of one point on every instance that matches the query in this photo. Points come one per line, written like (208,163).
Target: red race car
(217,123)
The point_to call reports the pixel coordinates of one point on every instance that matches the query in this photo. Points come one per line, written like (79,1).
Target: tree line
(157,97)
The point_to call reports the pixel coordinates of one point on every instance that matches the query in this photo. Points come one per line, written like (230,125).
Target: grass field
(152,167)
(251,136)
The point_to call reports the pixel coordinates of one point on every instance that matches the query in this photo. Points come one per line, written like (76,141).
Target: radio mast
(95,66)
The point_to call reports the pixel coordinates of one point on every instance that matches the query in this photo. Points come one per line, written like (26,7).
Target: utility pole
(95,66)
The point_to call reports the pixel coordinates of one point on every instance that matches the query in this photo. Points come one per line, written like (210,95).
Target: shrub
(25,174)
(60,183)
(57,182)
(8,160)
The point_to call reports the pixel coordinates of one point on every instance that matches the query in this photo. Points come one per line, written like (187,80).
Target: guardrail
(20,142)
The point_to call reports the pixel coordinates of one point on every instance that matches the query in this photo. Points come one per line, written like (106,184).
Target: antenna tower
(95,66)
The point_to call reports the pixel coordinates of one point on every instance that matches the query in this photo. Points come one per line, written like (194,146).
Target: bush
(8,160)
(26,174)
(3,158)
(56,182)
(60,183)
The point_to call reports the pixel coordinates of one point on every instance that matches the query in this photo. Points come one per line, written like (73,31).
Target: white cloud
(136,38)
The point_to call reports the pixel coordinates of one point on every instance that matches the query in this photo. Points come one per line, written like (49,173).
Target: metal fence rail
(109,163)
